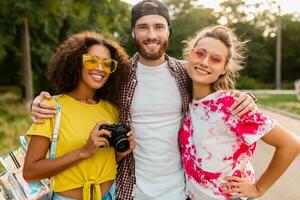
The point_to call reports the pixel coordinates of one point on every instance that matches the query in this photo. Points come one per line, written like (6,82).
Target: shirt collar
(135,58)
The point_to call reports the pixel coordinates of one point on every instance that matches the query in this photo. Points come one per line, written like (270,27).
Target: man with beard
(153,102)
(156,95)
(155,98)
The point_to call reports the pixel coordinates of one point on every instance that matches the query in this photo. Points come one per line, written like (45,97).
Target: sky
(287,6)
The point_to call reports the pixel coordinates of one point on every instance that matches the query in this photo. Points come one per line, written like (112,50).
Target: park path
(288,186)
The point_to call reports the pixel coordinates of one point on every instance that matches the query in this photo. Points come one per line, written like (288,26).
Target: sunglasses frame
(87,57)
(208,54)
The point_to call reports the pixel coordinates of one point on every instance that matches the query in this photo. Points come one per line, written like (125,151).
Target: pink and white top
(215,144)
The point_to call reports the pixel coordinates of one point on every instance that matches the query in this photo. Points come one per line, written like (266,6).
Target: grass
(14,120)
(285,102)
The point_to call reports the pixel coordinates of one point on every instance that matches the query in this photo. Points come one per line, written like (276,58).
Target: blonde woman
(216,146)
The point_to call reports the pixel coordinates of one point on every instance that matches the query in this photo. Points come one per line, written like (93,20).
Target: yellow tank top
(77,121)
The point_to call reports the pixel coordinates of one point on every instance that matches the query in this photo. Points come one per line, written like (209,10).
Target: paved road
(288,186)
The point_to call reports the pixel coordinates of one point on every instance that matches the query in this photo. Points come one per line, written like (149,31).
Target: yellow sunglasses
(91,61)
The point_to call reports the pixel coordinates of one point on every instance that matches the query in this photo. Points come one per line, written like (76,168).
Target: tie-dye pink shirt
(215,144)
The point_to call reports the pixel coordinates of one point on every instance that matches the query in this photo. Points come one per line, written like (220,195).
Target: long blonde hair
(235,59)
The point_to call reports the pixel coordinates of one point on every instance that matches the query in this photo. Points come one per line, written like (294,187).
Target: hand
(41,110)
(95,141)
(240,187)
(243,104)
(130,135)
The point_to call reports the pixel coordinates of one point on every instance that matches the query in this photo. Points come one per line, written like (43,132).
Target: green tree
(256,23)
(290,49)
(50,22)
(187,19)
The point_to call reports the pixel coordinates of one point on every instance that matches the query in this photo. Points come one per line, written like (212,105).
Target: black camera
(118,139)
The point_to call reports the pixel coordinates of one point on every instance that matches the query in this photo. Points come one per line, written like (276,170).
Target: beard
(151,56)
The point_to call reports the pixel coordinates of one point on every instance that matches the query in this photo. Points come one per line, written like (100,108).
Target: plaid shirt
(126,179)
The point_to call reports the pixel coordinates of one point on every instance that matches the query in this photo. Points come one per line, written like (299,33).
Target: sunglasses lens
(90,64)
(90,61)
(109,65)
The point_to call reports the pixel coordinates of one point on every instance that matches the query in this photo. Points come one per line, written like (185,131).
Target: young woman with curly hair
(216,146)
(87,72)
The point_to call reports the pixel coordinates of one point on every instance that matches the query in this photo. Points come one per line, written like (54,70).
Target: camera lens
(122,145)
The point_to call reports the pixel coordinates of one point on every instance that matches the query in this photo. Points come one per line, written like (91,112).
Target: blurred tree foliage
(187,19)
(50,22)
(256,23)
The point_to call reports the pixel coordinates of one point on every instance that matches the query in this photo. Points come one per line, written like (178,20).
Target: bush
(247,83)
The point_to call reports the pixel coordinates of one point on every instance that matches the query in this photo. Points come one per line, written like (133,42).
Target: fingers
(237,195)
(242,105)
(232,178)
(47,106)
(98,124)
(237,101)
(36,120)
(240,187)
(230,184)
(232,190)
(42,114)
(39,111)
(96,127)
(130,135)
(103,132)
(132,144)
(246,110)
(97,136)
(96,142)
(37,102)
(46,95)
(245,174)
(42,110)
(235,93)
(251,109)
(97,133)
(102,142)
(241,99)
(252,112)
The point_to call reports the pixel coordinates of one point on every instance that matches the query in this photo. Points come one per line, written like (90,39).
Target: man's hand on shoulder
(41,110)
(243,104)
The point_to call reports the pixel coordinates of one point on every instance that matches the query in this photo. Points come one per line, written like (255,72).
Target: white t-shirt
(216,144)
(156,116)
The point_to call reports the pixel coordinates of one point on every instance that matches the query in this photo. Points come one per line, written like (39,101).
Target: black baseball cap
(139,10)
